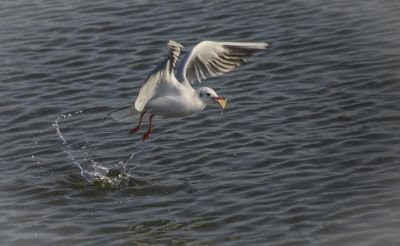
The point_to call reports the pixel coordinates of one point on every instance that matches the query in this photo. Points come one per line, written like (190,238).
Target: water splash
(91,170)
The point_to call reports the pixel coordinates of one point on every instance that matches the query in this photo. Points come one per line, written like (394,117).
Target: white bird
(168,90)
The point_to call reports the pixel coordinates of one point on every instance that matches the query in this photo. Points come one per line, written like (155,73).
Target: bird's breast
(174,106)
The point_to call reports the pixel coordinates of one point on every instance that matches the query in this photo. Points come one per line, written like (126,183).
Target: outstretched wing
(209,59)
(161,74)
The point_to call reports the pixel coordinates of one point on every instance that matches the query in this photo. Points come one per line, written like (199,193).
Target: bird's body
(168,90)
(176,105)
(173,99)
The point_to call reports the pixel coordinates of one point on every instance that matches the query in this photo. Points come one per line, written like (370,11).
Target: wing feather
(210,59)
(161,74)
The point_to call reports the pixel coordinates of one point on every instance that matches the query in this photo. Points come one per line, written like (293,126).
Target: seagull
(167,90)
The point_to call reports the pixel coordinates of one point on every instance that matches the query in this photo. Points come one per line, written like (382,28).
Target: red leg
(149,130)
(133,130)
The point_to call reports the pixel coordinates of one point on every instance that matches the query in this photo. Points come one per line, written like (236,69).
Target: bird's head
(209,96)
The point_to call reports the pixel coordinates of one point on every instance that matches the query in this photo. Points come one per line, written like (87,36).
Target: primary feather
(210,59)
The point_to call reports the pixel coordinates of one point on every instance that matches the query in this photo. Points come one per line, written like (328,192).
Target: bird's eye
(208,94)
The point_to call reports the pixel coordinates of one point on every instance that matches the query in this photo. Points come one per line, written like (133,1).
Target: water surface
(307,152)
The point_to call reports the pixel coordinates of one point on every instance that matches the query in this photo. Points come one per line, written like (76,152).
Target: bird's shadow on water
(97,171)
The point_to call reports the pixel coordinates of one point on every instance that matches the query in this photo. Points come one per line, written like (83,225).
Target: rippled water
(307,152)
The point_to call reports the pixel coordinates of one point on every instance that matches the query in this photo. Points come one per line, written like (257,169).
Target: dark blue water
(307,152)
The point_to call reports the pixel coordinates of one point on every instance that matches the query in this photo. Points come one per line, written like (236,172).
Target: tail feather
(126,114)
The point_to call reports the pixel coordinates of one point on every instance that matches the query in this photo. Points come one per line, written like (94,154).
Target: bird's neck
(197,104)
